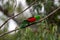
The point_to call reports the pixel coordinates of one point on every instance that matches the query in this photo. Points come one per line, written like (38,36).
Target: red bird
(32,19)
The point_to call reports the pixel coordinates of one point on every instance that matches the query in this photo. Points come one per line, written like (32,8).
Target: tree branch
(12,17)
(33,23)
(18,14)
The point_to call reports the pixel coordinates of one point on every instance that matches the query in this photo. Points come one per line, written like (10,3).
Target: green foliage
(19,9)
(8,7)
(30,1)
(44,31)
(48,6)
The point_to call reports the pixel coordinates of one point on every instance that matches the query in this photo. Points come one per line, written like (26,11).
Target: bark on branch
(33,23)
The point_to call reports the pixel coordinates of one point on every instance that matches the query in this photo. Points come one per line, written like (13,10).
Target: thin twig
(17,14)
(33,23)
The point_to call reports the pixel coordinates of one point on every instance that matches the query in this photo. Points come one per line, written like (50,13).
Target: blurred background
(48,29)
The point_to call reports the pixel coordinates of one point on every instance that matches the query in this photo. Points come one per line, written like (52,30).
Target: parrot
(29,21)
